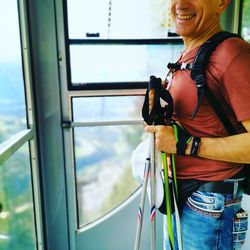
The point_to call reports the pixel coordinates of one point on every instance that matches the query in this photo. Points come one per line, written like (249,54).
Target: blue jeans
(209,221)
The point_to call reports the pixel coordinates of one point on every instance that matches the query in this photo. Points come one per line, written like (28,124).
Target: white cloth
(139,156)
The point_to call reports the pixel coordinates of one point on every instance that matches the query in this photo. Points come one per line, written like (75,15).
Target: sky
(10,39)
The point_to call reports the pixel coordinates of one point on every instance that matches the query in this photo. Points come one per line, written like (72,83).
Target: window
(103,149)
(17,220)
(245,22)
(101,65)
(17,229)
(12,103)
(114,44)
(118,44)
(119,19)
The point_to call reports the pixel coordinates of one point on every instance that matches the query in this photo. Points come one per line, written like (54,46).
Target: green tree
(16,199)
(246,16)
(245,27)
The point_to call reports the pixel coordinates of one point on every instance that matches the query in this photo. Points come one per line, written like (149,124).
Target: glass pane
(119,19)
(246,20)
(120,63)
(107,108)
(103,169)
(103,153)
(12,102)
(17,225)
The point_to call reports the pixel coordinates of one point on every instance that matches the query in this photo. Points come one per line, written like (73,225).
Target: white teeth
(185,17)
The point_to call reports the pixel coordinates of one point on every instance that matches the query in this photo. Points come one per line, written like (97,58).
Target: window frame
(172,39)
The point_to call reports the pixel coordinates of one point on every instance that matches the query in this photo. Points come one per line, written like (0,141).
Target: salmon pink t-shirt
(228,77)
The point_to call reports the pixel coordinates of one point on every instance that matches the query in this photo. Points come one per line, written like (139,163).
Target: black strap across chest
(198,68)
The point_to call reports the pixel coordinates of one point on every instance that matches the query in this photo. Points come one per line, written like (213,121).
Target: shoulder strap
(220,112)
(200,63)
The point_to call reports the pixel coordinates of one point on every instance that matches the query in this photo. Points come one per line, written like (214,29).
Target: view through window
(17,227)
(245,22)
(117,41)
(119,19)
(120,63)
(103,153)
(114,41)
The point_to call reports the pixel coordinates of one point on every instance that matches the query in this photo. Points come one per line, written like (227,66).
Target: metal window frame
(237,16)
(34,162)
(111,42)
(11,145)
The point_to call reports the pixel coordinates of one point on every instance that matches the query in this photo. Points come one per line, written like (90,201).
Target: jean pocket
(240,225)
(207,203)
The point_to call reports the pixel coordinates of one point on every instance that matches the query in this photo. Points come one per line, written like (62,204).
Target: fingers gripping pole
(142,204)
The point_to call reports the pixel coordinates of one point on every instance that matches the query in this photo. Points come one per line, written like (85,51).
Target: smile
(185,17)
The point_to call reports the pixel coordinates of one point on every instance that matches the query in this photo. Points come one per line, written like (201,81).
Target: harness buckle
(183,66)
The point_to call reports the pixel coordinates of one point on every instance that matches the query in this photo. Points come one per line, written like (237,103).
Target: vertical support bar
(42,30)
(24,33)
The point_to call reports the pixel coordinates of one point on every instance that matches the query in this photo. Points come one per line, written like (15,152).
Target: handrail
(11,145)
(69,124)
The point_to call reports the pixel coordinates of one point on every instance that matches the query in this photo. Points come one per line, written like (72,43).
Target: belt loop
(236,187)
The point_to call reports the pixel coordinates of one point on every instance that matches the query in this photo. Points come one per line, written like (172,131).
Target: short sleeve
(236,83)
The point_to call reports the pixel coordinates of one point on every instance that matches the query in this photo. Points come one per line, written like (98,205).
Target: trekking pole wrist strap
(182,138)
(195,146)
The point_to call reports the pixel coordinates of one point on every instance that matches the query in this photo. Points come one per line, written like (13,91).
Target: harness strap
(199,65)
(180,66)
